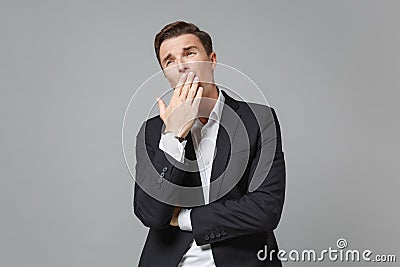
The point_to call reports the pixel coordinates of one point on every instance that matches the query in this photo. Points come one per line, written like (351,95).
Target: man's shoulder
(154,121)
(248,108)
(254,107)
(260,112)
(151,129)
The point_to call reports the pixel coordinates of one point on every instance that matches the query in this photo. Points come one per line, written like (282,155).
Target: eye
(168,62)
(190,53)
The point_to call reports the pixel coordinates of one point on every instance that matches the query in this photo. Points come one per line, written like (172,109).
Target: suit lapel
(229,121)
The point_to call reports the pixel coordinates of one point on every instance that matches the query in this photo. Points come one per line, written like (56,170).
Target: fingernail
(184,75)
(196,79)
(191,73)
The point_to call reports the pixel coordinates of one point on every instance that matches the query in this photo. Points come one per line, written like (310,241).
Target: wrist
(179,138)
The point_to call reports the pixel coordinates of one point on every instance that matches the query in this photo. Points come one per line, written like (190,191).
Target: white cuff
(172,146)
(184,221)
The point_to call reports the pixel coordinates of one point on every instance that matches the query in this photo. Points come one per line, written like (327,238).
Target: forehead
(176,44)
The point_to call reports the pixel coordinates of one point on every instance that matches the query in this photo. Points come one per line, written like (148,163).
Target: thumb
(161,105)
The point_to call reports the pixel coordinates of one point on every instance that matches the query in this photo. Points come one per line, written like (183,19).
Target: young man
(236,192)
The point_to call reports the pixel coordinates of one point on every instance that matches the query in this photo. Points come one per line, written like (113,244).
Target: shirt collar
(217,110)
(215,115)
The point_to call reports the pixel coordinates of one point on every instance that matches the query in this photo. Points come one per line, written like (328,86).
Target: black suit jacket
(246,194)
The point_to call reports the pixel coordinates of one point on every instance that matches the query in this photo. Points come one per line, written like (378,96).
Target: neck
(210,96)
(210,91)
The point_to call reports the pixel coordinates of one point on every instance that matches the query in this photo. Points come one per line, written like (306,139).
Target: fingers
(179,86)
(187,85)
(161,105)
(197,99)
(193,89)
(177,209)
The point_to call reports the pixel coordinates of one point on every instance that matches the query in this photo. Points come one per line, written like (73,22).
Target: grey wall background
(68,69)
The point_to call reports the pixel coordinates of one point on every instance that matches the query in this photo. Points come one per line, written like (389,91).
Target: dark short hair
(178,28)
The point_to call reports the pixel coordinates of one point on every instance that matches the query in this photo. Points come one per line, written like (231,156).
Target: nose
(183,67)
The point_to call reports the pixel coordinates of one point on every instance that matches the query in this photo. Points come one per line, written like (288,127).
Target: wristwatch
(180,139)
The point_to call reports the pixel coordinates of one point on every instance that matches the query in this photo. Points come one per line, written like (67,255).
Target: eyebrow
(183,49)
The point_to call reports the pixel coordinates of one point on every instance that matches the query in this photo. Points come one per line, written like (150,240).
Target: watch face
(172,135)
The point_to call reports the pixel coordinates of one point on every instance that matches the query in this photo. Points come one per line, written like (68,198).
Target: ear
(213,59)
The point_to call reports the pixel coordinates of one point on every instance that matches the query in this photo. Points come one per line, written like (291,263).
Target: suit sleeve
(254,212)
(152,171)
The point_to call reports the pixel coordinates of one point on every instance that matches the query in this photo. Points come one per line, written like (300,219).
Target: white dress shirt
(204,142)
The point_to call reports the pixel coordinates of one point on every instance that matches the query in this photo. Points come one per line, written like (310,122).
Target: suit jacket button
(223,232)
(212,236)
(164,169)
(159,180)
(218,234)
(206,237)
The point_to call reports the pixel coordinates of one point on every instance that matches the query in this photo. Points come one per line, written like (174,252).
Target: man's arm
(151,172)
(178,117)
(254,212)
